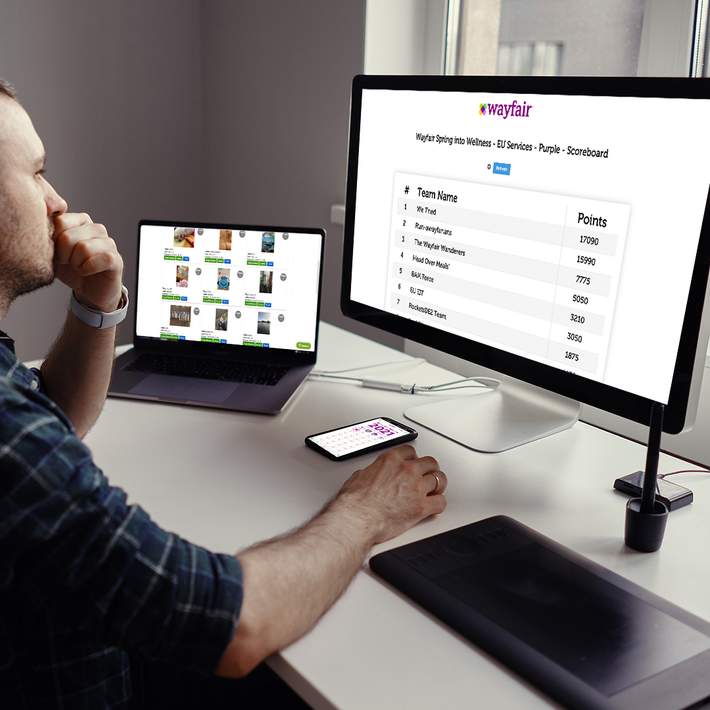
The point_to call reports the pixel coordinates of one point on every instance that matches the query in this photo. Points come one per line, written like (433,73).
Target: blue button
(267,305)
(186,258)
(501,168)
(183,298)
(181,337)
(225,300)
(227,261)
(269,263)
(223,341)
(264,345)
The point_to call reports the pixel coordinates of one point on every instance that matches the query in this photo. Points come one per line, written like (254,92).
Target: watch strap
(99,319)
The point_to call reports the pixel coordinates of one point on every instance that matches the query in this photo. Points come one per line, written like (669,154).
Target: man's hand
(289,582)
(86,260)
(394,492)
(77,371)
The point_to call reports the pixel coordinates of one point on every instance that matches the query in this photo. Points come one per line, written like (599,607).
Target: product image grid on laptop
(226,315)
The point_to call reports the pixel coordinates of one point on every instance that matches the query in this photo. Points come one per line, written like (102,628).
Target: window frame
(422,37)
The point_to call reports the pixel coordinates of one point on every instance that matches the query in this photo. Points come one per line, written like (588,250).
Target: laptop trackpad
(191,389)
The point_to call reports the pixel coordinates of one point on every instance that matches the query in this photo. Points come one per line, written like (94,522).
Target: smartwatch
(99,319)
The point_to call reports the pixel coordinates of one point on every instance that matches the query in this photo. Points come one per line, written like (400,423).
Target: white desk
(225,480)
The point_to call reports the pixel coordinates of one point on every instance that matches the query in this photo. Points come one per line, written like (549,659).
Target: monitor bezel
(617,401)
(230,351)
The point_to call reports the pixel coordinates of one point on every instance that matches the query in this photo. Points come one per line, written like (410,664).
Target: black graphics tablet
(584,635)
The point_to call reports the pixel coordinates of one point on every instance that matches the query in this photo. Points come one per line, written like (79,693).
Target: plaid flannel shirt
(85,578)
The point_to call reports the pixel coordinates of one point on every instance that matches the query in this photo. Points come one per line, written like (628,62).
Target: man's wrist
(97,318)
(349,516)
(114,304)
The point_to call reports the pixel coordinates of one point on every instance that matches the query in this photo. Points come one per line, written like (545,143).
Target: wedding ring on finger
(438,486)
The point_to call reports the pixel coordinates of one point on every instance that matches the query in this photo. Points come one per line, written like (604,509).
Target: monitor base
(510,415)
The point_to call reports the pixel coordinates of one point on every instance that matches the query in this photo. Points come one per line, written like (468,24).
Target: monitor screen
(229,286)
(560,228)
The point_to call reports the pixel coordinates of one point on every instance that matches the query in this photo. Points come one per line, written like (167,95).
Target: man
(85,579)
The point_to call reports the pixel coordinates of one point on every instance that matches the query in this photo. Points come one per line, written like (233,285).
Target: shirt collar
(7,341)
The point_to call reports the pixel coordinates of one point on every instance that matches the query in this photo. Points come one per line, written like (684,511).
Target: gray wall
(227,110)
(114,89)
(277,81)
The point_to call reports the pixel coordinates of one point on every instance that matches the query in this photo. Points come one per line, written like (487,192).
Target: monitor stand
(510,415)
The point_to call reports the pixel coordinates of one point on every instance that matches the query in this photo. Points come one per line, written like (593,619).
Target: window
(538,37)
(529,58)
(576,37)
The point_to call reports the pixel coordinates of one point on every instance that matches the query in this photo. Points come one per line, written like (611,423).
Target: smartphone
(673,495)
(360,438)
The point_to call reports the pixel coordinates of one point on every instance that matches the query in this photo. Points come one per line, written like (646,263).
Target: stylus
(648,492)
(646,516)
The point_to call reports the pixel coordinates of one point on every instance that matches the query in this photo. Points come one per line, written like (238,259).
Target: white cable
(423,390)
(316,373)
(412,361)
(481,380)
(474,383)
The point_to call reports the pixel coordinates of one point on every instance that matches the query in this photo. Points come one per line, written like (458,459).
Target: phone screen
(349,439)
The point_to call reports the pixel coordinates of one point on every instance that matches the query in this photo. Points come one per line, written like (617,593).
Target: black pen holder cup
(644,531)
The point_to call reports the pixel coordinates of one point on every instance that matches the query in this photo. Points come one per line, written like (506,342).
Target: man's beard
(22,275)
(22,280)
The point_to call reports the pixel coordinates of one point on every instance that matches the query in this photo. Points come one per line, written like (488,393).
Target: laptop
(226,315)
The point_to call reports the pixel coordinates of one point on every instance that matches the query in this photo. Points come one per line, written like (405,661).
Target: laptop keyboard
(250,373)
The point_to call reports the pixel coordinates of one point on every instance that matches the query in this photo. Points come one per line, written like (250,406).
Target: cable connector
(393,386)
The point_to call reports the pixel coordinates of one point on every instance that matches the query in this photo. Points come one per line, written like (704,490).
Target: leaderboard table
(534,273)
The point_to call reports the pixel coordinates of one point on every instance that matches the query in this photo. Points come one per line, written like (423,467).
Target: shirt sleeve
(68,533)
(39,379)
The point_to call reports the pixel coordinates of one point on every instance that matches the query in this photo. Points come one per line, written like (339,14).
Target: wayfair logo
(513,109)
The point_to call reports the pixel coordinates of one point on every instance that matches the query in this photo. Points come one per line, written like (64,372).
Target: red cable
(686,470)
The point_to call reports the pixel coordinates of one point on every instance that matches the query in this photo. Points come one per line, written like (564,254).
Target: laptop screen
(229,286)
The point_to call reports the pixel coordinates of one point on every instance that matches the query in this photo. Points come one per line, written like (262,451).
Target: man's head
(28,204)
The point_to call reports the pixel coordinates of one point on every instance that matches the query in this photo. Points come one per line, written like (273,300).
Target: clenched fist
(393,493)
(86,260)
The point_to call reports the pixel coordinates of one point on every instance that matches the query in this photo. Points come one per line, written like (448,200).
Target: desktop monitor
(552,229)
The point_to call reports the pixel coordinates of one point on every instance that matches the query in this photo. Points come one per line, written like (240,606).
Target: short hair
(7,89)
